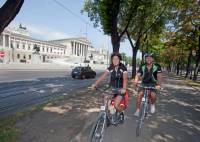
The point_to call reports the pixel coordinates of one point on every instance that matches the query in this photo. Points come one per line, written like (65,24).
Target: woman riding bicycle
(118,79)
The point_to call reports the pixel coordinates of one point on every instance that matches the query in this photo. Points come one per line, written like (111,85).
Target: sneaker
(121,117)
(137,113)
(153,108)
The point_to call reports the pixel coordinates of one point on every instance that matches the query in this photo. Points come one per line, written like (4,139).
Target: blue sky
(47,20)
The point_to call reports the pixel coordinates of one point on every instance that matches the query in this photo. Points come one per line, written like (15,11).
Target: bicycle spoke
(141,119)
(98,129)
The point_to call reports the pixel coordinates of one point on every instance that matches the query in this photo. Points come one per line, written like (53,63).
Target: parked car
(83,72)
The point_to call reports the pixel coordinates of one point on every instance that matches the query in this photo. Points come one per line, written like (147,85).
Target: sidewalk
(193,84)
(64,120)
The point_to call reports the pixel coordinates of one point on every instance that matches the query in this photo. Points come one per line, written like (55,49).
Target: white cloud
(43,33)
(46,33)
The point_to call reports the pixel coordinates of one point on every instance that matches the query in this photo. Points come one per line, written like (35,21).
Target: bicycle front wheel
(140,119)
(98,129)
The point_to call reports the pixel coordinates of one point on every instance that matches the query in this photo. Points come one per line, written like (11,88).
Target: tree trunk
(181,72)
(178,68)
(8,12)
(188,64)
(197,66)
(169,68)
(134,53)
(115,39)
(181,63)
(191,72)
(134,65)
(143,52)
(196,71)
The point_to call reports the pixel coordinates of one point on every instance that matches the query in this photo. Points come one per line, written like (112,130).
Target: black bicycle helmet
(148,55)
(116,54)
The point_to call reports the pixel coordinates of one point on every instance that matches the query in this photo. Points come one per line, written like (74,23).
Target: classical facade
(18,46)
(81,50)
(77,47)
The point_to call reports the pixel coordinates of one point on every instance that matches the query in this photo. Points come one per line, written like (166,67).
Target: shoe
(137,113)
(153,108)
(121,117)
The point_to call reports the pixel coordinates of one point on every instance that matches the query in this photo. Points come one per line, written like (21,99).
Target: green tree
(149,19)
(114,16)
(185,24)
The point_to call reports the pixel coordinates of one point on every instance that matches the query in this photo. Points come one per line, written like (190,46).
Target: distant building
(77,47)
(18,46)
(98,56)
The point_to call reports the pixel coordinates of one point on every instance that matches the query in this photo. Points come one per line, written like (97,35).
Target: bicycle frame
(143,108)
(98,129)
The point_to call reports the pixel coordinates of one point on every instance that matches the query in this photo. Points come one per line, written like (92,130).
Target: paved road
(35,87)
(29,75)
(177,118)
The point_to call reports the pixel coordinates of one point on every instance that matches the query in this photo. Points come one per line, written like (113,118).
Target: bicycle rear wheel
(98,129)
(140,119)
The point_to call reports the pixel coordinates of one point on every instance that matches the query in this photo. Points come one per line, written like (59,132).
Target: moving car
(83,72)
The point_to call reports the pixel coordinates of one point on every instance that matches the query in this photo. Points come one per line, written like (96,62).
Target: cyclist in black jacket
(118,78)
(151,75)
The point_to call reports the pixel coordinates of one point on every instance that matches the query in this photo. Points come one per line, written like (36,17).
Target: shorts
(124,102)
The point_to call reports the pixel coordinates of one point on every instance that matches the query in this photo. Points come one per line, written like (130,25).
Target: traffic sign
(2,54)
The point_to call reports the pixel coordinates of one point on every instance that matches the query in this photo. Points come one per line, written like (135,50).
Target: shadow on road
(178,115)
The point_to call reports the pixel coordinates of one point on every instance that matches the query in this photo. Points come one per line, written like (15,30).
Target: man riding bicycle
(151,75)
(118,79)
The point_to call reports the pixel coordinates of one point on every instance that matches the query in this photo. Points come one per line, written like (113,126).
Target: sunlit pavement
(26,88)
(177,117)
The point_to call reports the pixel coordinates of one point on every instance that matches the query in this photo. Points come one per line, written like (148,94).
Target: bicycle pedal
(115,124)
(97,135)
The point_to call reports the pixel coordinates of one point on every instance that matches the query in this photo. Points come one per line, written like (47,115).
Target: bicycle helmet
(148,55)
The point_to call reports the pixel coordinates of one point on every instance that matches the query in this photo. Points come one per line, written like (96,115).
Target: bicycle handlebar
(147,87)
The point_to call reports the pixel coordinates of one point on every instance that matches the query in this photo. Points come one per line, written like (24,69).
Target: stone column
(78,49)
(81,47)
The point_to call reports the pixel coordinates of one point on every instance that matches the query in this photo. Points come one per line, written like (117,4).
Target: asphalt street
(21,89)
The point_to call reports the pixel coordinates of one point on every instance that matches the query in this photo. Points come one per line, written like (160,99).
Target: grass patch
(8,131)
